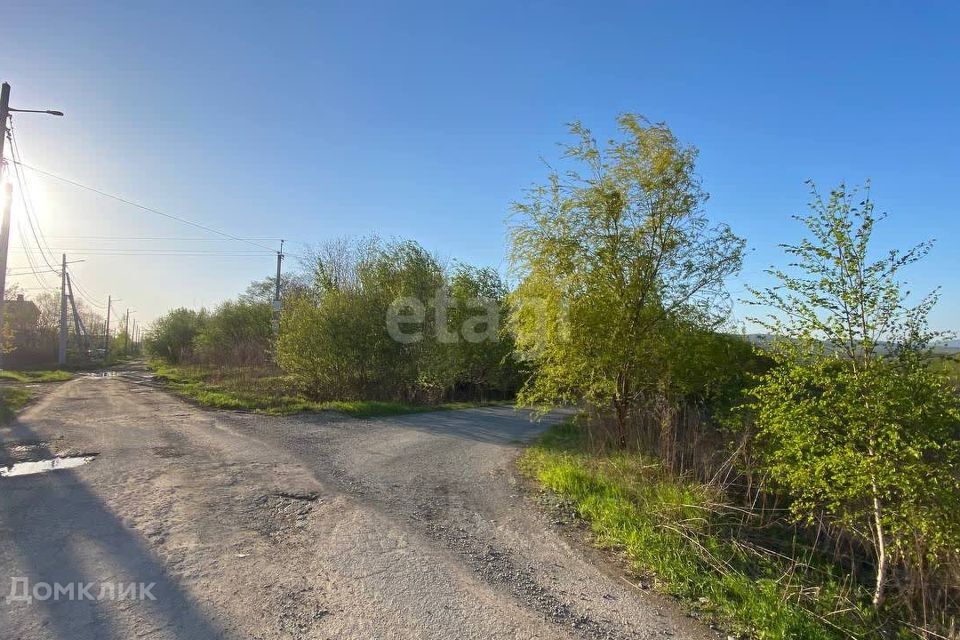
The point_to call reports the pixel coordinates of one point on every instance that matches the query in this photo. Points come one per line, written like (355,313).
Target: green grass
(12,399)
(673,532)
(49,375)
(948,365)
(270,392)
(13,393)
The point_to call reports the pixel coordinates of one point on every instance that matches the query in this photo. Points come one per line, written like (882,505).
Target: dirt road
(320,527)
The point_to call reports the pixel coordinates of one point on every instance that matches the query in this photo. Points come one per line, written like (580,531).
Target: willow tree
(613,254)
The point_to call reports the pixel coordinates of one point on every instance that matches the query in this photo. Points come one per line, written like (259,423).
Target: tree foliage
(338,339)
(171,337)
(237,333)
(611,255)
(853,422)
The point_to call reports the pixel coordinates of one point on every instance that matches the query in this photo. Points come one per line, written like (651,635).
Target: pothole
(167,452)
(42,466)
(278,515)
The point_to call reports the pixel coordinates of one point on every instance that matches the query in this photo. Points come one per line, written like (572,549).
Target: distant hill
(949,347)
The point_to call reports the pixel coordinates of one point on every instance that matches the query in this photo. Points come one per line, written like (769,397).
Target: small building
(22,317)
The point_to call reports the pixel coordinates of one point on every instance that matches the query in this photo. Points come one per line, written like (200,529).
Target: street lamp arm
(49,111)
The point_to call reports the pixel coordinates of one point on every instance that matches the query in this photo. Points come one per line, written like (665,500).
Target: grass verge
(49,375)
(679,534)
(12,399)
(14,395)
(270,392)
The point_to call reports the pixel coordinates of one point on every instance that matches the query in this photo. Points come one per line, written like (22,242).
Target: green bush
(171,337)
(237,334)
(340,343)
(853,422)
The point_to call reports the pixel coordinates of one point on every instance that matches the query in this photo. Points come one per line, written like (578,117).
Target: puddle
(42,466)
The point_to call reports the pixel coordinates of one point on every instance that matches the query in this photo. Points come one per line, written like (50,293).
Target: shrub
(171,337)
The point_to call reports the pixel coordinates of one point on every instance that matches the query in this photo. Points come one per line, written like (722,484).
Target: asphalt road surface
(310,527)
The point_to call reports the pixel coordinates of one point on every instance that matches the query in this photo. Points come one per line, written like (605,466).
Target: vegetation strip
(227,389)
(679,535)
(15,392)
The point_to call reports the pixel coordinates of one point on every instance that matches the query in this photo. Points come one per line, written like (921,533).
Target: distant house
(23,319)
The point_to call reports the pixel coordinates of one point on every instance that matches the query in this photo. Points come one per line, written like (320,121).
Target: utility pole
(126,334)
(106,333)
(7,203)
(4,116)
(62,358)
(4,243)
(276,294)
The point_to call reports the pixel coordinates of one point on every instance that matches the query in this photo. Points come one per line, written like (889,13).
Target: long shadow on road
(54,529)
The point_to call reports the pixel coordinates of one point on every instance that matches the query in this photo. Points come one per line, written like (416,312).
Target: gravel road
(308,527)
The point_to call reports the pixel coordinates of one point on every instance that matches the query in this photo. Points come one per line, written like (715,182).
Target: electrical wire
(31,262)
(45,249)
(84,293)
(174,238)
(27,272)
(35,229)
(158,252)
(144,207)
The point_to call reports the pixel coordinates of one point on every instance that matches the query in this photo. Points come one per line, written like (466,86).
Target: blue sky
(307,121)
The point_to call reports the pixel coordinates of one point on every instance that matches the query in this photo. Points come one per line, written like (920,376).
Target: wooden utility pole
(276,295)
(8,201)
(106,332)
(4,243)
(62,354)
(4,114)
(126,334)
(276,292)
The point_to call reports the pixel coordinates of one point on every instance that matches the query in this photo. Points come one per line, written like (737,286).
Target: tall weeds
(737,526)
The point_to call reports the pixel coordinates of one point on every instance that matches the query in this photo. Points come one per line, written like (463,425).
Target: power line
(34,268)
(28,210)
(144,207)
(84,295)
(35,229)
(29,271)
(171,238)
(107,251)
(31,262)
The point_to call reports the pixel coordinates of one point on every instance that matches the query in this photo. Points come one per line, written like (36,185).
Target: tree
(610,255)
(49,305)
(853,421)
(171,337)
(388,321)
(479,357)
(264,291)
(237,333)
(335,338)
